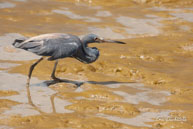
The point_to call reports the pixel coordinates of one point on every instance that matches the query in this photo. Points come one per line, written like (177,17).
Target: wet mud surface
(144,84)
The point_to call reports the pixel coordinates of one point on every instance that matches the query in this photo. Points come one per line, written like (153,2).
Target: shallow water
(146,83)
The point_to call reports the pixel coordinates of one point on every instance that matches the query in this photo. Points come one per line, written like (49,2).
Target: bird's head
(92,38)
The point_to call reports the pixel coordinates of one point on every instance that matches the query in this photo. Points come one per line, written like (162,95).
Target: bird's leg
(54,70)
(63,80)
(32,68)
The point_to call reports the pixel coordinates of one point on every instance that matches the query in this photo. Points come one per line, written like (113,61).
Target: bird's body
(55,45)
(58,45)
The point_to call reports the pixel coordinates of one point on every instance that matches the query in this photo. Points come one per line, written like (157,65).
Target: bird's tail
(17,42)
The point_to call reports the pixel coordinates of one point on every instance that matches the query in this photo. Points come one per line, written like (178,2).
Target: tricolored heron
(58,45)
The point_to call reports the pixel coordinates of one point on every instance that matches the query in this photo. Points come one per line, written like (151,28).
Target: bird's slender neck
(85,42)
(87,54)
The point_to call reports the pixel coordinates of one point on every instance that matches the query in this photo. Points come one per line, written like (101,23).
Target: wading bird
(57,45)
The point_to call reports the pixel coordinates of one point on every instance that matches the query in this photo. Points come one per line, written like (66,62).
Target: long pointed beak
(110,41)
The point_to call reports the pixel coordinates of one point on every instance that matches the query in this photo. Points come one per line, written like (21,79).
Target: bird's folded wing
(52,49)
(63,50)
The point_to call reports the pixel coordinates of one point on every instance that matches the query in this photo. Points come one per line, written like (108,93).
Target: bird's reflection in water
(52,97)
(30,102)
(52,102)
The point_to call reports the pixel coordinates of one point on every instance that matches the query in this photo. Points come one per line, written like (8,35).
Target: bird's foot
(56,79)
(78,84)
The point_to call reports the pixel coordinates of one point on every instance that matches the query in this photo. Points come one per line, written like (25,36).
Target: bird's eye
(96,39)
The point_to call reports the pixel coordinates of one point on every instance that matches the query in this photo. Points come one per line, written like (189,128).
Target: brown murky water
(145,84)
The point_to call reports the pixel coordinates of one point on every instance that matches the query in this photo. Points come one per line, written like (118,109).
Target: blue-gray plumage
(58,45)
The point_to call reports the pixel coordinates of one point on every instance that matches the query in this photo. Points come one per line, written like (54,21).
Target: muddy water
(144,84)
